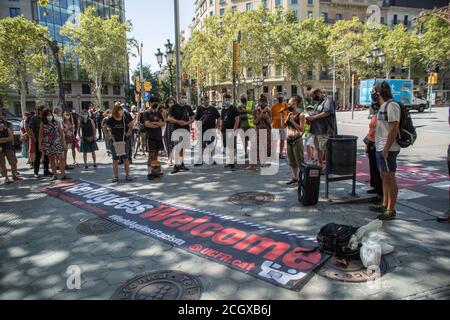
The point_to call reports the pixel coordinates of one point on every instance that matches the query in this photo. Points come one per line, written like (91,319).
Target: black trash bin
(309,185)
(341,160)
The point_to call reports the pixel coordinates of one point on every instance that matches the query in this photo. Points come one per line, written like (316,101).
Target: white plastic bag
(374,226)
(386,248)
(371,251)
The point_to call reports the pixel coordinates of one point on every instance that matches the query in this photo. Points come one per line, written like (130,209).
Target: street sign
(147,96)
(147,86)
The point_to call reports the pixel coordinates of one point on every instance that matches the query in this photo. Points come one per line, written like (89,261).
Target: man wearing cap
(279,114)
(323,122)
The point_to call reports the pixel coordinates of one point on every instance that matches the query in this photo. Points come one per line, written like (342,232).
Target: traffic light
(147,86)
(138,84)
(433,79)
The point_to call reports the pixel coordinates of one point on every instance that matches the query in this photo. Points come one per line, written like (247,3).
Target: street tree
(434,42)
(100,45)
(300,47)
(21,53)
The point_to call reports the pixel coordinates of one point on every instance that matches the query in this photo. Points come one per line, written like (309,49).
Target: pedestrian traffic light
(147,86)
(138,84)
(433,79)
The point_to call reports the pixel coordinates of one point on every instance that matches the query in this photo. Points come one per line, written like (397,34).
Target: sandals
(115,180)
(129,179)
(65,178)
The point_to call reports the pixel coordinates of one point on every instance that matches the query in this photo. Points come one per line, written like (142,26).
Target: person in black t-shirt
(210,119)
(182,116)
(118,128)
(153,126)
(230,121)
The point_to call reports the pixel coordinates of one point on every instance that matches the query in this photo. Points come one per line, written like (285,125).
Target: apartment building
(78,88)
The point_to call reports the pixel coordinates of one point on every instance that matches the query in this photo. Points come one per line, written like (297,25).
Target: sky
(153,24)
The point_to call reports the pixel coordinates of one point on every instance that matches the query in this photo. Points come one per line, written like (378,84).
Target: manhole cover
(164,285)
(97,226)
(252,198)
(349,270)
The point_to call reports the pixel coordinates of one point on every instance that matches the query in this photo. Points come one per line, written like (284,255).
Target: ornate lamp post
(376,60)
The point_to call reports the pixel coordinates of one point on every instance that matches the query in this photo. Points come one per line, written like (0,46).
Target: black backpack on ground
(333,239)
(407,135)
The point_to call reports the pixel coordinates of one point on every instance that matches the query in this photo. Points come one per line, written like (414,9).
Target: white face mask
(183,101)
(49,118)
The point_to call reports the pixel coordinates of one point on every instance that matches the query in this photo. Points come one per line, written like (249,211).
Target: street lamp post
(334,72)
(177,46)
(376,60)
(169,55)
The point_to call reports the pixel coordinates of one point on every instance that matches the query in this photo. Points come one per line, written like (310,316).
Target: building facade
(78,89)
(388,12)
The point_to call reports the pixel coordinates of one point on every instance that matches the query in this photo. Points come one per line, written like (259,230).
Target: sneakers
(388,215)
(379,209)
(115,180)
(48,174)
(293,181)
(183,167)
(150,177)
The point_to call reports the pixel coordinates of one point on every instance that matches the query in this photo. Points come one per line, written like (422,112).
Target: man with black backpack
(388,149)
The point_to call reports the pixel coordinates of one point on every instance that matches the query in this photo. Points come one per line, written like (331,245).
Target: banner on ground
(280,257)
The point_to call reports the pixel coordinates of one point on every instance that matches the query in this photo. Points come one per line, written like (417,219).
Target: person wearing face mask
(279,113)
(153,126)
(181,116)
(370,150)
(210,119)
(246,108)
(35,125)
(7,151)
(230,121)
(323,122)
(117,129)
(86,132)
(52,143)
(168,143)
(139,125)
(71,141)
(296,128)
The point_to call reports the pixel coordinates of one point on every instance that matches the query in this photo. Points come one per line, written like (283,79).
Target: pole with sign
(198,84)
(235,65)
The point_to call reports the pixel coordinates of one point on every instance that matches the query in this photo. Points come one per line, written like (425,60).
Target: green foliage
(100,45)
(434,43)
(22,53)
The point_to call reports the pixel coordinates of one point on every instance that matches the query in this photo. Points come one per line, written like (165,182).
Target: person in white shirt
(387,149)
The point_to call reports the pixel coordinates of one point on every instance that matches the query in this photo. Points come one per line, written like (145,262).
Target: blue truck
(402,90)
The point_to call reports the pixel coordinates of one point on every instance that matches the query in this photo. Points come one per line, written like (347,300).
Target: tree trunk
(55,50)
(98,91)
(23,93)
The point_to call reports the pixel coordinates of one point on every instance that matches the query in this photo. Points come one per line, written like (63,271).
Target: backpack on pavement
(334,240)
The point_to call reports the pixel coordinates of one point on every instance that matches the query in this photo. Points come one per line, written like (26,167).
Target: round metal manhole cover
(349,270)
(97,226)
(163,285)
(252,198)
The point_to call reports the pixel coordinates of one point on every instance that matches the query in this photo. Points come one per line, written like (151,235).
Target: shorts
(296,154)
(310,141)
(7,154)
(320,142)
(155,145)
(283,134)
(127,150)
(389,164)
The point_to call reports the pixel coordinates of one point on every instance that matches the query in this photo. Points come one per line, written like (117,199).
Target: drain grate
(163,285)
(252,198)
(97,226)
(349,270)
(442,293)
